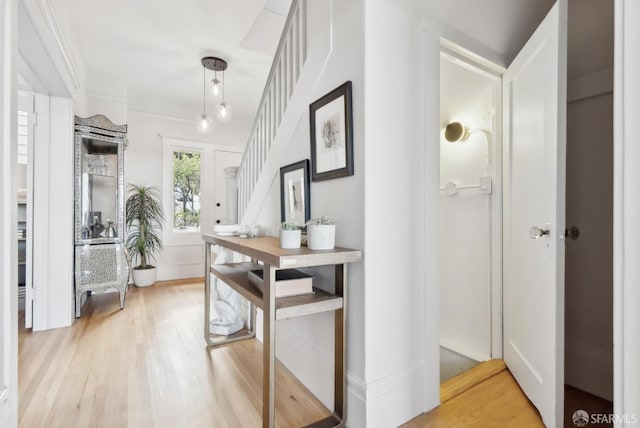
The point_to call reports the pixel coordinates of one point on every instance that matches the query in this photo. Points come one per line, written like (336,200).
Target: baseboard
(356,402)
(192,270)
(395,399)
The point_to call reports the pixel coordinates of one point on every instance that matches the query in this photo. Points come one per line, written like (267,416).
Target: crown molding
(59,42)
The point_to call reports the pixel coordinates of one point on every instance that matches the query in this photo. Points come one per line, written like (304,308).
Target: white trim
(180,119)
(469,58)
(626,229)
(8,216)
(56,35)
(207,187)
(120,100)
(169,146)
(219,146)
(401,391)
(431,266)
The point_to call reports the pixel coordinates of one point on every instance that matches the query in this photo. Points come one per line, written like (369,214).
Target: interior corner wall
(143,165)
(305,344)
(396,170)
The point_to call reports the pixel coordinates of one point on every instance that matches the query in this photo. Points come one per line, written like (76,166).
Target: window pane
(186,185)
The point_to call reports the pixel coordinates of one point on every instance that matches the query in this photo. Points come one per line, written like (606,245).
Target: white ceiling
(503,26)
(149,52)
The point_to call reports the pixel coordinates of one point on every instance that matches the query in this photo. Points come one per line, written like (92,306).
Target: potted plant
(290,235)
(144,222)
(321,233)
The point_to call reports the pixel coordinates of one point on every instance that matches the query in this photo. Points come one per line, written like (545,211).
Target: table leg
(207,290)
(268,349)
(340,337)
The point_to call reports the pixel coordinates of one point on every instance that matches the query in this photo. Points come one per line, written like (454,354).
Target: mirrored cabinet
(100,257)
(99,180)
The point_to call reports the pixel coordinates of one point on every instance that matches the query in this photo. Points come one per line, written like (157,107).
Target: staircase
(296,66)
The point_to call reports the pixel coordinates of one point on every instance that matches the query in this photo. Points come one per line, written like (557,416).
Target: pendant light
(204,123)
(217,86)
(223,110)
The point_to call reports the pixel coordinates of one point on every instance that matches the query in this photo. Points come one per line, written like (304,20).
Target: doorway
(588,330)
(470,222)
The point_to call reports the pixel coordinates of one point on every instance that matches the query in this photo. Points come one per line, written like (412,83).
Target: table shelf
(267,250)
(235,275)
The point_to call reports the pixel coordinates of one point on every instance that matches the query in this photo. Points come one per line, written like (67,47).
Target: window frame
(170,236)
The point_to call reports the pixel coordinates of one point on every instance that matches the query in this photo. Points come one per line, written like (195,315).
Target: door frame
(8,217)
(626,211)
(493,71)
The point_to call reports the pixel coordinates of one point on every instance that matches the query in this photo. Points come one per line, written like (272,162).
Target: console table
(267,250)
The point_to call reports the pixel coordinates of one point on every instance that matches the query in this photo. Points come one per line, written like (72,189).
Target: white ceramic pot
(144,277)
(290,238)
(321,236)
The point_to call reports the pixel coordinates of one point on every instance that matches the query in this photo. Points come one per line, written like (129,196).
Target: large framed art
(331,124)
(295,205)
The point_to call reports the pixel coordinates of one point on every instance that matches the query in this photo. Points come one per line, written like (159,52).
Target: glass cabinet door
(99,188)
(99,181)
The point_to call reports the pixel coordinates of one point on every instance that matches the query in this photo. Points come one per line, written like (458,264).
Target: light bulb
(204,123)
(216,87)
(223,112)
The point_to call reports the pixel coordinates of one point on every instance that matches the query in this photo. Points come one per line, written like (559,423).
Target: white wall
(143,165)
(305,345)
(402,273)
(396,171)
(467,96)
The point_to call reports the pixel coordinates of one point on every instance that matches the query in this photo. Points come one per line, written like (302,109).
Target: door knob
(536,232)
(573,233)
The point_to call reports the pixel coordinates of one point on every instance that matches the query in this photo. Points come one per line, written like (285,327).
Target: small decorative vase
(290,239)
(321,236)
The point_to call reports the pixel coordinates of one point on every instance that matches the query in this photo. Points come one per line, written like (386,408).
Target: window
(186,190)
(189,190)
(23,136)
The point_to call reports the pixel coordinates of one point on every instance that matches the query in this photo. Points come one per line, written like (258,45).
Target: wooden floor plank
(462,382)
(495,402)
(148,366)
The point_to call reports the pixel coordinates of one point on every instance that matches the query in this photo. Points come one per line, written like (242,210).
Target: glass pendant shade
(204,123)
(223,111)
(216,88)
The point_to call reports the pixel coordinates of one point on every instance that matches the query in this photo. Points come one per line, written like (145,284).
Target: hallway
(147,366)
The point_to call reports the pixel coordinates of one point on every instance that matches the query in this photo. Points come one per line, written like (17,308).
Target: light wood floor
(484,396)
(147,366)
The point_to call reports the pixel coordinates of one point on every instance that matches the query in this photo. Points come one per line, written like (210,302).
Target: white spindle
(285,71)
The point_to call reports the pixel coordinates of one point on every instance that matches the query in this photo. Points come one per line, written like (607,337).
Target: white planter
(321,236)
(144,277)
(290,238)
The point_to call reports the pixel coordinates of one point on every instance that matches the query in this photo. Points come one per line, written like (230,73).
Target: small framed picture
(295,204)
(331,126)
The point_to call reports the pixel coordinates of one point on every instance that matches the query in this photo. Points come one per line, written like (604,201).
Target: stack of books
(289,282)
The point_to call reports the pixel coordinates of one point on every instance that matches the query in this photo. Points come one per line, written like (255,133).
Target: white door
(223,160)
(534,90)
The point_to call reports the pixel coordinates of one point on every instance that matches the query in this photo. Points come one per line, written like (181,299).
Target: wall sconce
(455,132)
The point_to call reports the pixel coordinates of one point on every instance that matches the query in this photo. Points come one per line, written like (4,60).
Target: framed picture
(295,204)
(332,135)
